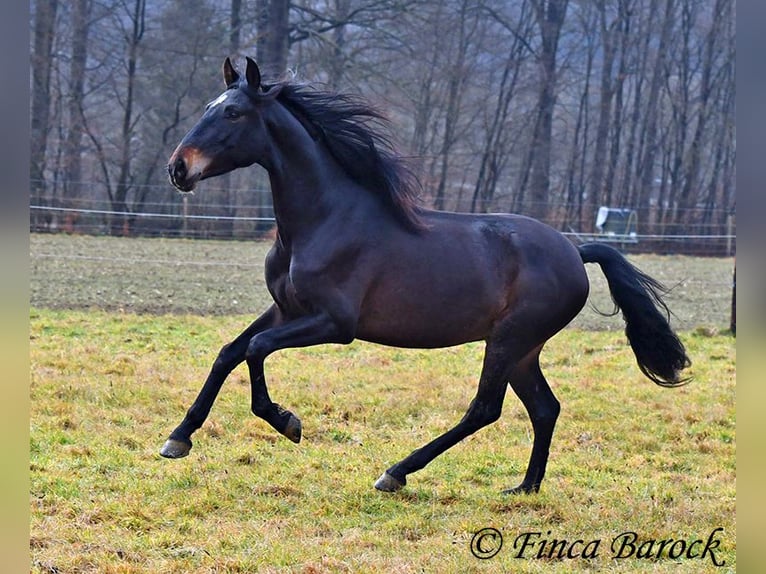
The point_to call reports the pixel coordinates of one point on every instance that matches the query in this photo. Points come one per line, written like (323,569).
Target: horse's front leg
(179,443)
(301,332)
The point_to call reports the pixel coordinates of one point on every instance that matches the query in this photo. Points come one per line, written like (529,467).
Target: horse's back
(464,273)
(522,240)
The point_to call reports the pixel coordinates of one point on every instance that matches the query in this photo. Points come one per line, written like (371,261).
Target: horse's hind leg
(483,410)
(179,443)
(543,408)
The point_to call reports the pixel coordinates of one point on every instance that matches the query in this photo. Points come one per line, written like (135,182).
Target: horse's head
(227,135)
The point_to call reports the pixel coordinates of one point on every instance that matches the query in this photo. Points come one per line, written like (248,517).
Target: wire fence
(183,221)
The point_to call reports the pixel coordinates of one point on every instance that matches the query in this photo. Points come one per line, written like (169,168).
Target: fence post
(729,227)
(185,208)
(733,320)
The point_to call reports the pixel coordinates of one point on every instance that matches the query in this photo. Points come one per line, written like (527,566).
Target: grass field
(110,380)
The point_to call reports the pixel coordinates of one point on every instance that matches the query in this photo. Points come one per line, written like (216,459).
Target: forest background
(550,108)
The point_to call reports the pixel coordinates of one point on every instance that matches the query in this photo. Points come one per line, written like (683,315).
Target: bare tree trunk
(550,19)
(640,67)
(693,171)
(338,60)
(675,148)
(425,102)
(577,194)
(596,191)
(235,26)
(496,142)
(121,223)
(727,138)
(646,167)
(72,187)
(457,78)
(625,12)
(221,200)
(494,156)
(273,35)
(271,50)
(42,53)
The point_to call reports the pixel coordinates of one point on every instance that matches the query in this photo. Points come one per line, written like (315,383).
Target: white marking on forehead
(219,99)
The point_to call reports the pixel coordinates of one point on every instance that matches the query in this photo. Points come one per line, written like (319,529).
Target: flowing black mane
(354,133)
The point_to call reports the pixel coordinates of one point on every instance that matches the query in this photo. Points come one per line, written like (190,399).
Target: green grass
(107,388)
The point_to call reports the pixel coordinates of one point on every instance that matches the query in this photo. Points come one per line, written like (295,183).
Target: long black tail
(660,354)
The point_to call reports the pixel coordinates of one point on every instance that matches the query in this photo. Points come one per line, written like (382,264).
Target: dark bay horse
(355,257)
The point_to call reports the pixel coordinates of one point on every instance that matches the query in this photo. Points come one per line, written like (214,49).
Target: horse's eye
(231,113)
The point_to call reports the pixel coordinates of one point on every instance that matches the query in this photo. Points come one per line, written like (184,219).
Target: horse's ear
(253,74)
(230,75)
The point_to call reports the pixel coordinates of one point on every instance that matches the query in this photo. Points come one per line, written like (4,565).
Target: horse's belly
(427,324)
(419,339)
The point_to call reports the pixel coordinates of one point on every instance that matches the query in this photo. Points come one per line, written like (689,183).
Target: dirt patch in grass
(226,277)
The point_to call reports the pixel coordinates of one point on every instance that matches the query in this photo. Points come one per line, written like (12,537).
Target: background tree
(41,64)
(497,147)
(72,152)
(273,35)
(549,15)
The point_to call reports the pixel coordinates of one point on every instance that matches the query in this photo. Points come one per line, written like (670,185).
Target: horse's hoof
(521,490)
(387,483)
(174,448)
(294,429)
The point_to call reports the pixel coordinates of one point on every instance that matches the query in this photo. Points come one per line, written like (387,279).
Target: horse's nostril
(180,167)
(177,169)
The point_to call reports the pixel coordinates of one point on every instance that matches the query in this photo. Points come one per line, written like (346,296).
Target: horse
(356,256)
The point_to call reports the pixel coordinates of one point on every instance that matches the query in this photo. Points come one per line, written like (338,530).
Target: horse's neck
(306,182)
